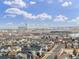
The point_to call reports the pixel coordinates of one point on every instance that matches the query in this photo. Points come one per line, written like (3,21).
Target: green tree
(74,52)
(72,46)
(65,44)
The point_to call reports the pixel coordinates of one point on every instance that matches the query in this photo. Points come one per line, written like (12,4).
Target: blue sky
(39,13)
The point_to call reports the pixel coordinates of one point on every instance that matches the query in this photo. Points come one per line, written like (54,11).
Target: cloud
(32,2)
(18,3)
(66,3)
(76,20)
(60,18)
(15,3)
(13,11)
(16,11)
(44,16)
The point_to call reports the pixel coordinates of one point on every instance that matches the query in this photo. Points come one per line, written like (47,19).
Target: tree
(72,46)
(74,52)
(65,44)
(73,40)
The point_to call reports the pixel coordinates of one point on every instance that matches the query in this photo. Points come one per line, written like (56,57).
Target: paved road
(55,51)
(50,52)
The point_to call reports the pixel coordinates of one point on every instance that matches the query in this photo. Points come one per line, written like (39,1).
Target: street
(55,51)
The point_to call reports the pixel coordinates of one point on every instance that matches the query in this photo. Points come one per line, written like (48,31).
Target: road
(55,51)
(50,52)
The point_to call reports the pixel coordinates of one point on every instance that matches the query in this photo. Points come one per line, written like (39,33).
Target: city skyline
(39,13)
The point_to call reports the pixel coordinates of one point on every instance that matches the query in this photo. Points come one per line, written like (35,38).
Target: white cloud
(60,18)
(15,3)
(16,11)
(41,16)
(76,20)
(18,3)
(44,16)
(32,2)
(66,3)
(13,11)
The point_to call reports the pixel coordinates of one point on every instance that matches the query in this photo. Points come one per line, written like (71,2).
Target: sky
(39,13)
